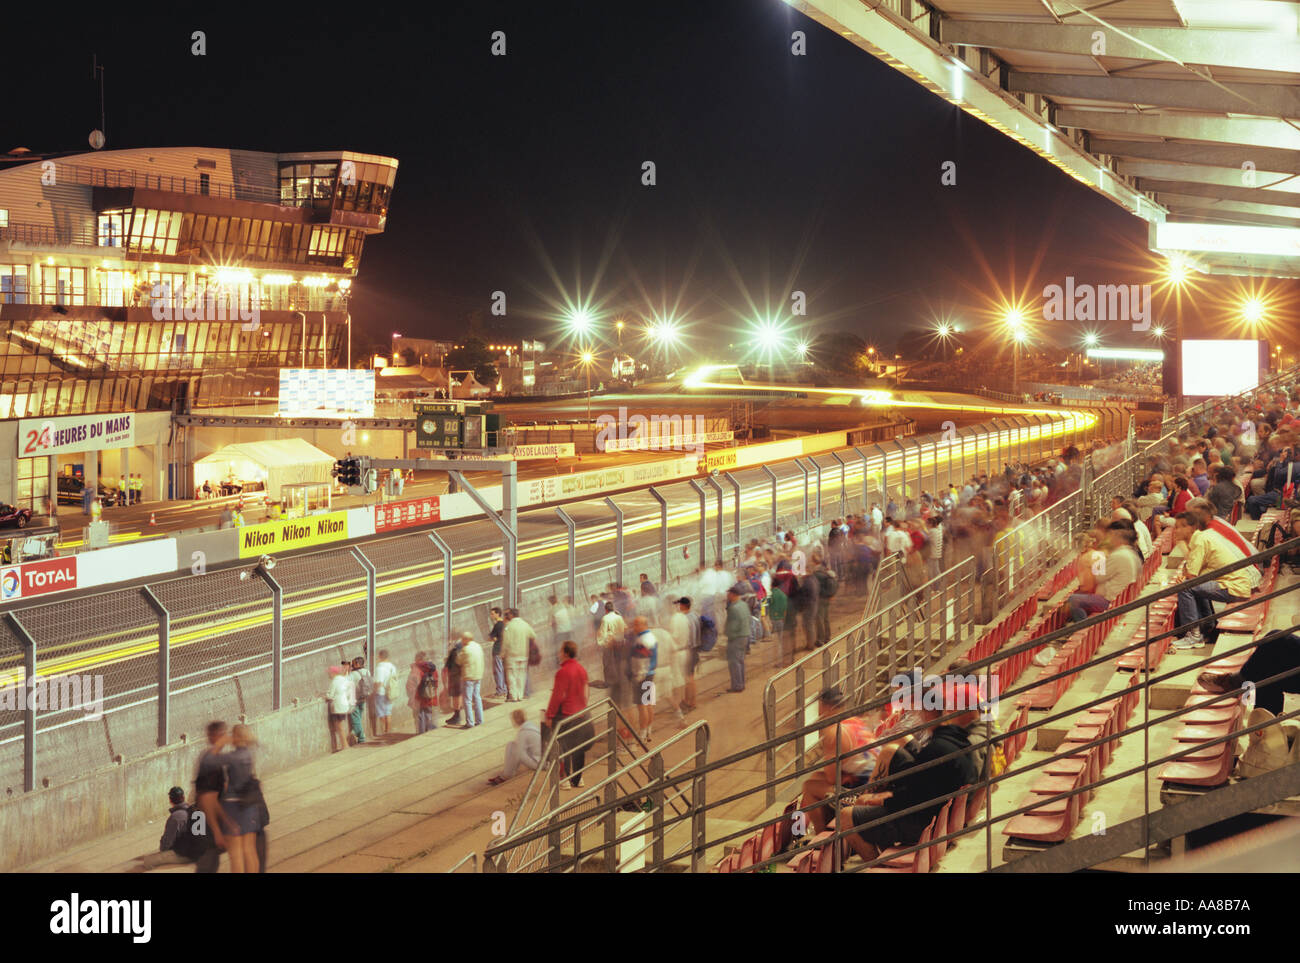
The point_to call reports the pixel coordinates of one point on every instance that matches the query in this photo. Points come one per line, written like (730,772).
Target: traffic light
(348,470)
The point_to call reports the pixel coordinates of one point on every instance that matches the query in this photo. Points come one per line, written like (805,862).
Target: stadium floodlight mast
(1014,318)
(1253,310)
(580,323)
(588,358)
(769,337)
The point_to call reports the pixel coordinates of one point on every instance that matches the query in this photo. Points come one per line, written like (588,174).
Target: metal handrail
(1145,644)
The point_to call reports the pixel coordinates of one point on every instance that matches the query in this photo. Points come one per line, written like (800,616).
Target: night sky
(522,173)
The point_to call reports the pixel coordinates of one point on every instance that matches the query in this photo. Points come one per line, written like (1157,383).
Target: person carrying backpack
(184,839)
(365,687)
(455,683)
(827,585)
(423,687)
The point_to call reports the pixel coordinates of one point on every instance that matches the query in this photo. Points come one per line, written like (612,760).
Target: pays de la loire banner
(38,578)
(293,533)
(58,436)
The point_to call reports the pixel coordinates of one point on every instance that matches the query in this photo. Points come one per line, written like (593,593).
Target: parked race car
(11,516)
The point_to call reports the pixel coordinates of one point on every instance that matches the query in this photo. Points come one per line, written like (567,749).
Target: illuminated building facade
(176,278)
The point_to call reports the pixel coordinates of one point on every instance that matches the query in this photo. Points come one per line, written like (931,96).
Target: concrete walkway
(412,803)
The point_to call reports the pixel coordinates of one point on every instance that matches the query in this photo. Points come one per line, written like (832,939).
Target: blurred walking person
(387,688)
(422,692)
(518,636)
(569,701)
(241,804)
(340,699)
(498,664)
(471,668)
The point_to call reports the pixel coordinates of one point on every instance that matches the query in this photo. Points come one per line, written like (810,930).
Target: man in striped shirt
(1207,550)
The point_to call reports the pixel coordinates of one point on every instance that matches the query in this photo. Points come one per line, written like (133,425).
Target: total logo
(38,578)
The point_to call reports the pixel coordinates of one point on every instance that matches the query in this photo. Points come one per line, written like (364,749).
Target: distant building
(166,279)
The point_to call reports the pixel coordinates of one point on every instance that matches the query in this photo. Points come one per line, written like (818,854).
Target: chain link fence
(170,656)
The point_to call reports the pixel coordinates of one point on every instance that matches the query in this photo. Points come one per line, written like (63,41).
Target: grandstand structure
(1110,751)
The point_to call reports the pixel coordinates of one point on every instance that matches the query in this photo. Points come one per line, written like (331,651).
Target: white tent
(274,463)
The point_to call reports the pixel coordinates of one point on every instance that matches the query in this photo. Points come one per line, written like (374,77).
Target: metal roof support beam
(1246,131)
(1248,195)
(1206,174)
(1268,100)
(1255,50)
(1214,155)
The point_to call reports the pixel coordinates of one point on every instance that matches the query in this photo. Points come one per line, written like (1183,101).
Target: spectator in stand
(798,560)
(612,629)
(181,841)
(516,640)
(1277,654)
(455,684)
(856,766)
(1105,571)
(737,632)
(1207,550)
(643,661)
(826,587)
(778,604)
(562,627)
(809,597)
(946,745)
(1127,515)
(1225,492)
(568,700)
(341,699)
(1200,477)
(524,750)
(363,687)
(422,688)
(685,629)
(935,542)
(498,663)
(470,661)
(386,688)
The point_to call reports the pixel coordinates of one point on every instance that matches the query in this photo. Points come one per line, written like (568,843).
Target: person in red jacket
(569,699)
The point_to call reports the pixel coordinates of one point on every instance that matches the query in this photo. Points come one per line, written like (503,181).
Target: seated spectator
(1224,493)
(182,841)
(946,742)
(1207,550)
(1140,531)
(525,750)
(1105,571)
(1277,653)
(855,768)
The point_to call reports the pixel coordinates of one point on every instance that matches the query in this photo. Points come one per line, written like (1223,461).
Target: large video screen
(1213,368)
(327,392)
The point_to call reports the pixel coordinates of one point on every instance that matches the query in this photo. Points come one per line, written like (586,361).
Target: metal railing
(178,652)
(739,767)
(924,625)
(628,808)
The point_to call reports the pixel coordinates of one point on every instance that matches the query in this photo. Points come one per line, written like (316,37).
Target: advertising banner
(59,436)
(283,536)
(405,514)
(38,578)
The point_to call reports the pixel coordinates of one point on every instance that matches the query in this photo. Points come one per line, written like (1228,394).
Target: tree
(474,355)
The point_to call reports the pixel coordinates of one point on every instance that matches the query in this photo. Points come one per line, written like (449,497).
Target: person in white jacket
(525,750)
(341,698)
(684,626)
